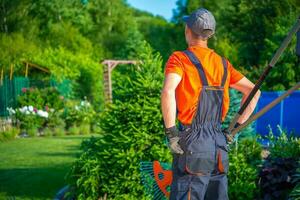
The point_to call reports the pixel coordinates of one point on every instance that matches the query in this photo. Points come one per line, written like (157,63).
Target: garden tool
(157,179)
(230,132)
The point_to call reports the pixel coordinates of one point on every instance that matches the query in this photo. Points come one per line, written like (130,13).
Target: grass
(35,168)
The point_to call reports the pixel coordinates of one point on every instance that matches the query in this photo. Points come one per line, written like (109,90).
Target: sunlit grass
(34,168)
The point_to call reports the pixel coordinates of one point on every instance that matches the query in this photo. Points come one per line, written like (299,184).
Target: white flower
(42,113)
(11,111)
(76,108)
(51,110)
(30,108)
(27,112)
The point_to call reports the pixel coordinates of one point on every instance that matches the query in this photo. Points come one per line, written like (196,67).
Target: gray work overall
(200,173)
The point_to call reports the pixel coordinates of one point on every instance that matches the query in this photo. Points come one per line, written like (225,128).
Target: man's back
(189,88)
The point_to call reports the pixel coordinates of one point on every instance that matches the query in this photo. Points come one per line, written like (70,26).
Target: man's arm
(168,101)
(245,86)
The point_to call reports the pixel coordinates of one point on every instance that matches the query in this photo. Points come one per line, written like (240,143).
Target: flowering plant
(78,113)
(28,117)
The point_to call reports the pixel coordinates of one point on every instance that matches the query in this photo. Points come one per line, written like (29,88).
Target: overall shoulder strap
(224,61)
(198,65)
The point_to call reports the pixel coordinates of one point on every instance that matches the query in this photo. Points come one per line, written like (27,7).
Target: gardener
(196,87)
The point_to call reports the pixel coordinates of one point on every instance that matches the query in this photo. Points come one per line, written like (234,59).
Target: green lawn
(34,168)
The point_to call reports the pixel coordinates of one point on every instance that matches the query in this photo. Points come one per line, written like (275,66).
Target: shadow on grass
(33,183)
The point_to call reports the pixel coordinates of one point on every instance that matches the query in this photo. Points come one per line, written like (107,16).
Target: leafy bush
(280,166)
(45,98)
(73,130)
(85,129)
(132,132)
(9,134)
(243,169)
(275,177)
(79,112)
(284,145)
(59,131)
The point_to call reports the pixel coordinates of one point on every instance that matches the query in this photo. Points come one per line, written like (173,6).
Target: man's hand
(229,137)
(173,136)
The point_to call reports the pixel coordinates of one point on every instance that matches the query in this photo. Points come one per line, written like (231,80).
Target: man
(196,88)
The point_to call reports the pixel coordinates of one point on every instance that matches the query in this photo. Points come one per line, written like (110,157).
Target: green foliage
(78,113)
(45,98)
(284,145)
(244,159)
(241,178)
(73,130)
(251,150)
(132,132)
(14,49)
(9,134)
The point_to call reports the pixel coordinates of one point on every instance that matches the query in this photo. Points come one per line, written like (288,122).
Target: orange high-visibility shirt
(188,90)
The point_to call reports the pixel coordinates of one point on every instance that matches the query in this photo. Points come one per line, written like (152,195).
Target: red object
(24,90)
(162,177)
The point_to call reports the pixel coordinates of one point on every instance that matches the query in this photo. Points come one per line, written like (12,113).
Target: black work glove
(172,134)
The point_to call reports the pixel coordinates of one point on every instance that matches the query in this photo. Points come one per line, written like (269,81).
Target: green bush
(74,130)
(85,129)
(47,132)
(242,178)
(132,132)
(284,145)
(59,131)
(79,112)
(9,134)
(32,132)
(42,99)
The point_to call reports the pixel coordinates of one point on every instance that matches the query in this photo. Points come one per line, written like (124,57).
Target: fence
(286,114)
(10,89)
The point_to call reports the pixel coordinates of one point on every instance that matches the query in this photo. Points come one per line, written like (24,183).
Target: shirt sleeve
(174,65)
(235,75)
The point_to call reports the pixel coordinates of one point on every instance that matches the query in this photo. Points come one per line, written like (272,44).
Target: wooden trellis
(109,65)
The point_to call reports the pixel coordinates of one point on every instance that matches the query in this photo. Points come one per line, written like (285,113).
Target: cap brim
(185,18)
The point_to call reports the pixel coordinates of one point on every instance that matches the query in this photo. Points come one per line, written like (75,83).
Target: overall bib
(200,173)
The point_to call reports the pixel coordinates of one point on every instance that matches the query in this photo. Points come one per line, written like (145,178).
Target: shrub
(32,132)
(280,166)
(47,132)
(85,129)
(244,159)
(9,134)
(73,130)
(59,131)
(41,99)
(241,178)
(78,112)
(284,145)
(132,132)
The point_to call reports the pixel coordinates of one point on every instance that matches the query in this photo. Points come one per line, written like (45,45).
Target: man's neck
(199,43)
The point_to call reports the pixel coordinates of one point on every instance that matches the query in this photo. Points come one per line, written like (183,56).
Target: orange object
(220,164)
(162,177)
(188,90)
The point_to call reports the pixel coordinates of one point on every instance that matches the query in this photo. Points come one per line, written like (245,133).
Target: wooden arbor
(109,66)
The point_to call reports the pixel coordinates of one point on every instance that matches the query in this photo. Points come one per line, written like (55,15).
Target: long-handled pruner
(231,131)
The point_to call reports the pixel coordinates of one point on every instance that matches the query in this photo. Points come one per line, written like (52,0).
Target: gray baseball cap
(201,22)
